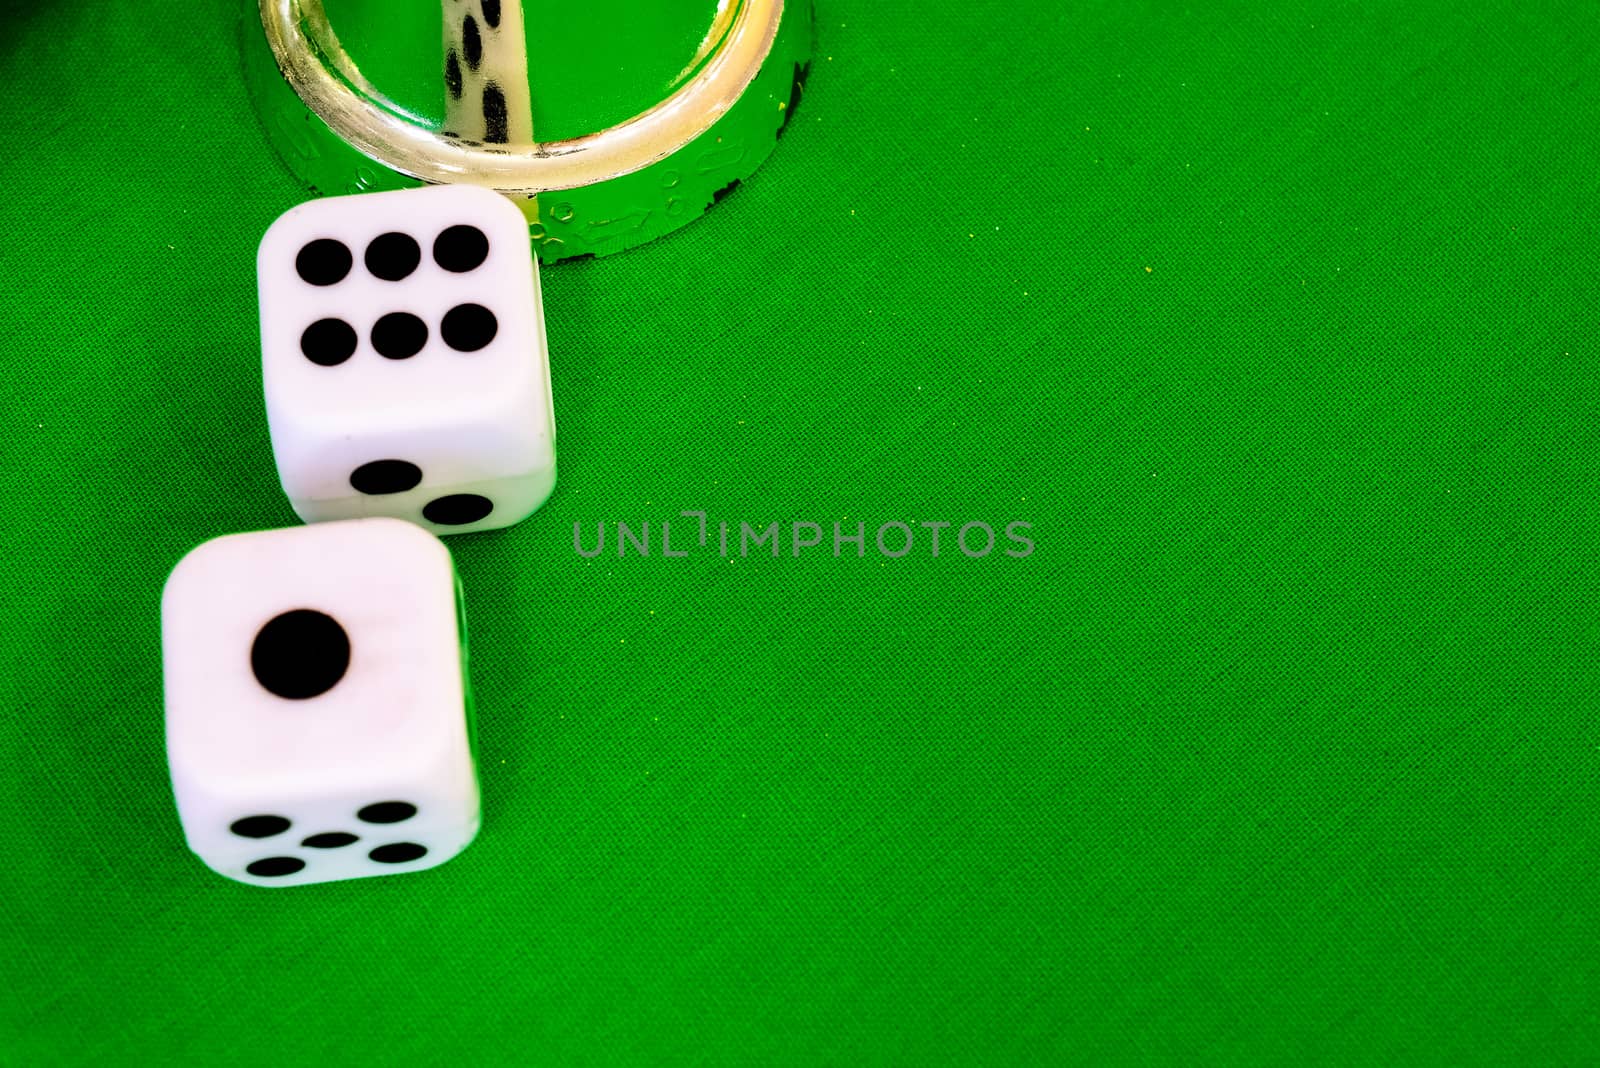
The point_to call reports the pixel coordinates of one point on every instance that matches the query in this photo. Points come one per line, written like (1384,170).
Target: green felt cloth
(1278,323)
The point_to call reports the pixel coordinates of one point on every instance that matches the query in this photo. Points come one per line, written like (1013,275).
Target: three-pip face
(316,712)
(404,359)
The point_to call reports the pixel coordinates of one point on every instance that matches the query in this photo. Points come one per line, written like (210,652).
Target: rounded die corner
(272,235)
(191,567)
(486,196)
(407,531)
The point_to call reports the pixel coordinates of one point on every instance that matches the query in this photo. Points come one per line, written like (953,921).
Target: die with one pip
(404,359)
(317,715)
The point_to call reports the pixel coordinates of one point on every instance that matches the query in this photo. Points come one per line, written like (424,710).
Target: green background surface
(1278,322)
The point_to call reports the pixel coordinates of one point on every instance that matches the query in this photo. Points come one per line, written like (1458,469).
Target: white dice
(317,712)
(404,361)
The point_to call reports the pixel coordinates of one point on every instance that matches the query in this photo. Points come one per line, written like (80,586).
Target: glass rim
(318,69)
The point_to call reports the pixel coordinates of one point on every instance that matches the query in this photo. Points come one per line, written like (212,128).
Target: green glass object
(636,115)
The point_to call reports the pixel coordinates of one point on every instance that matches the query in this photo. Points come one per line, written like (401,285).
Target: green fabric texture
(1278,323)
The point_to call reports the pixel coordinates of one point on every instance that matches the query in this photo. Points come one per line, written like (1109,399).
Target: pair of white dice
(317,703)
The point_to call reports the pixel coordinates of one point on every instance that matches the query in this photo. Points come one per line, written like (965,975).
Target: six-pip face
(404,362)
